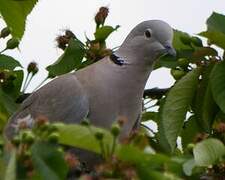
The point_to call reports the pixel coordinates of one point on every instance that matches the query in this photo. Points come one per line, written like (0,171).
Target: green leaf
(201,52)
(166,61)
(163,142)
(83,137)
(8,62)
(216,22)
(176,105)
(48,162)
(217,81)
(183,51)
(170,61)
(208,152)
(177,40)
(215,30)
(205,107)
(189,131)
(147,164)
(150,115)
(15,14)
(70,60)
(135,156)
(8,102)
(11,167)
(188,167)
(215,37)
(102,33)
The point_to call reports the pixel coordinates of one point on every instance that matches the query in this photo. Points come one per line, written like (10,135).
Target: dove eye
(148,33)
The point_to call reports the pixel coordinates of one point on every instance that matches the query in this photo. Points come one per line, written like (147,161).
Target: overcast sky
(50,17)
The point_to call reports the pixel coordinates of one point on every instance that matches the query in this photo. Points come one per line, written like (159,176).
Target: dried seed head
(71,160)
(62,42)
(69,34)
(104,11)
(41,120)
(200,136)
(101,16)
(220,127)
(23,125)
(122,120)
(32,68)
(99,19)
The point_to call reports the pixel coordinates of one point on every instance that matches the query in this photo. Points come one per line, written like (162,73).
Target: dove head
(148,40)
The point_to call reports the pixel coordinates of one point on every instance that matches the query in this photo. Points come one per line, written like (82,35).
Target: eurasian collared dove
(106,90)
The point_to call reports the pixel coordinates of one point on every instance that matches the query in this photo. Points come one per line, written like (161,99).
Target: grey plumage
(103,91)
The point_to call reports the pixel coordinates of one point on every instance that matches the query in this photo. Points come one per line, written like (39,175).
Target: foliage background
(78,16)
(193,109)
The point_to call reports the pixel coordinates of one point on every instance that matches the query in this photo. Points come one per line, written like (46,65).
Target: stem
(147,102)
(42,82)
(24,85)
(113,145)
(28,82)
(147,128)
(102,148)
(3,50)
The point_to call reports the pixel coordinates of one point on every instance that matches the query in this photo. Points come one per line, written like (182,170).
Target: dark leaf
(70,60)
(48,161)
(215,30)
(205,107)
(176,105)
(15,14)
(7,62)
(189,131)
(217,81)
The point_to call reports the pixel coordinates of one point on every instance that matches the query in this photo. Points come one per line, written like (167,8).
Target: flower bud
(183,62)
(12,43)
(32,68)
(16,140)
(85,122)
(190,147)
(27,137)
(5,32)
(177,73)
(185,39)
(196,41)
(53,137)
(99,135)
(115,130)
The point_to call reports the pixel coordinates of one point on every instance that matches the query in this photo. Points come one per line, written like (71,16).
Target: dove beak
(170,50)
